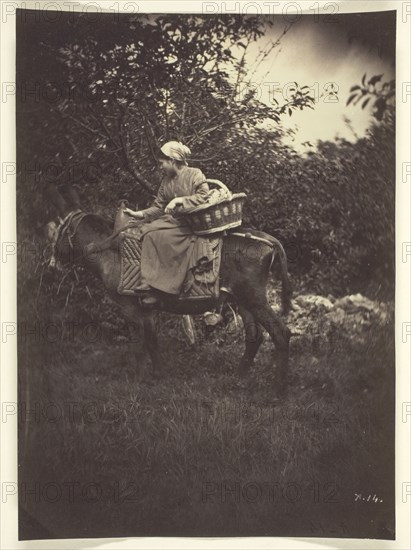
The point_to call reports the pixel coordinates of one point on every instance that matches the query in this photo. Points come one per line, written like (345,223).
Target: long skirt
(169,250)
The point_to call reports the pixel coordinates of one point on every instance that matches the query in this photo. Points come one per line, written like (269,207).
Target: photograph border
(8,432)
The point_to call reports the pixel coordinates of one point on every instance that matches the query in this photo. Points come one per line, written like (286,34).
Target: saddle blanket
(200,282)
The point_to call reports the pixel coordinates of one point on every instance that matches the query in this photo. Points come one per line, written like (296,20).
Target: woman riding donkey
(169,246)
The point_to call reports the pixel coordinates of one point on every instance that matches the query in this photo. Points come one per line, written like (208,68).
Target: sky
(315,53)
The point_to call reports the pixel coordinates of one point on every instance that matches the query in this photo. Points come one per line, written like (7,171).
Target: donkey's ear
(56,199)
(72,196)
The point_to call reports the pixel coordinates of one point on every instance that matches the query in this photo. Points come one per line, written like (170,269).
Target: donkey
(244,275)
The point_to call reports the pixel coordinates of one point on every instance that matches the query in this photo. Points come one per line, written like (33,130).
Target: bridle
(68,226)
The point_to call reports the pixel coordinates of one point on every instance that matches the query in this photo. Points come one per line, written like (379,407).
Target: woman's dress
(169,248)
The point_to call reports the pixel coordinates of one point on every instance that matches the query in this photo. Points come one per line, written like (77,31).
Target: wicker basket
(207,219)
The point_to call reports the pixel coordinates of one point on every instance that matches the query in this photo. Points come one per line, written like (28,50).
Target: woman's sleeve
(200,194)
(157,209)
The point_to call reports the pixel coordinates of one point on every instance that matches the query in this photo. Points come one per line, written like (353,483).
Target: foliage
(117,94)
(381,94)
(333,209)
(117,89)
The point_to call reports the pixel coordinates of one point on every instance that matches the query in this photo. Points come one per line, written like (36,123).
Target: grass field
(203,453)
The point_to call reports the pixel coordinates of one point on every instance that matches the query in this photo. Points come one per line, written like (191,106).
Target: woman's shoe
(150,300)
(143,288)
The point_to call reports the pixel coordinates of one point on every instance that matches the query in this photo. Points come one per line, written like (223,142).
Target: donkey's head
(62,231)
(74,229)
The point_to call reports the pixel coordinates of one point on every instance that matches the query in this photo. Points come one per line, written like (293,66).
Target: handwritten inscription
(366,498)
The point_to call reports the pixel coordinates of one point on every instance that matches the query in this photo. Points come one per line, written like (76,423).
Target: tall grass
(201,452)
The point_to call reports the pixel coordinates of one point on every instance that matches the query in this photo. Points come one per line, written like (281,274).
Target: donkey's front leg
(137,346)
(151,340)
(135,325)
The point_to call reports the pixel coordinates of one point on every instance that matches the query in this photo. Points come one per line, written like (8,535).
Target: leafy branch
(373,90)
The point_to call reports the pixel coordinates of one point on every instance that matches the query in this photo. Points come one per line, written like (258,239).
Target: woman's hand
(138,215)
(178,201)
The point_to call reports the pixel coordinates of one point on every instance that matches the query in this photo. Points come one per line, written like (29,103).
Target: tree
(122,89)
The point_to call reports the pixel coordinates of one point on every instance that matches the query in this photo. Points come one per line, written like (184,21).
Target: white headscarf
(176,150)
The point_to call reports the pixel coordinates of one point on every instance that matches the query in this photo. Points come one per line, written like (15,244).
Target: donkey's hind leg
(280,335)
(253,339)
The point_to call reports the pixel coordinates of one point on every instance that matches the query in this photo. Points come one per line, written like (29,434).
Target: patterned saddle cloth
(200,282)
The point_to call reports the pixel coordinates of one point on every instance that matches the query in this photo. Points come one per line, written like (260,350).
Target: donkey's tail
(281,257)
